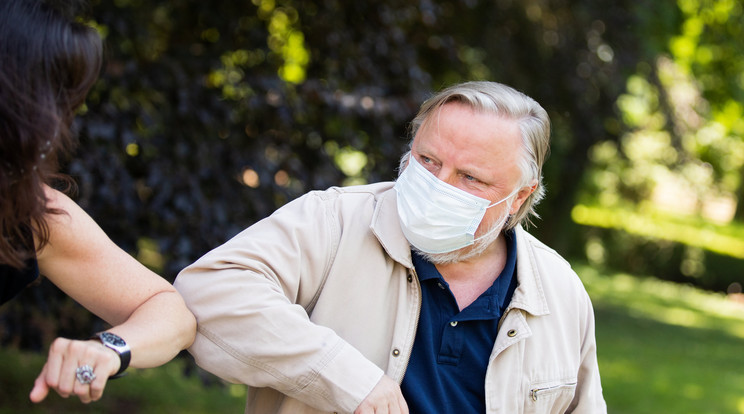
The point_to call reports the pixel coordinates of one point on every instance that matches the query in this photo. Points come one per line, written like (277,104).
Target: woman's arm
(143,308)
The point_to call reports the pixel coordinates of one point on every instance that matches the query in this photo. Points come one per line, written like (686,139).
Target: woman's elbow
(185,322)
(189,328)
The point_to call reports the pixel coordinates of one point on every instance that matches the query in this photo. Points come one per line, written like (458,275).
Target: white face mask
(437,217)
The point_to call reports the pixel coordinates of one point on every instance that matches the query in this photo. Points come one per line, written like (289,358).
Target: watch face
(112,339)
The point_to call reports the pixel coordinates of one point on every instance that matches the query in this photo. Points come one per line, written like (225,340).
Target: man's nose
(448,175)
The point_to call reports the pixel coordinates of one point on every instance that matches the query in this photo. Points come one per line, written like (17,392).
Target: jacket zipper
(534,393)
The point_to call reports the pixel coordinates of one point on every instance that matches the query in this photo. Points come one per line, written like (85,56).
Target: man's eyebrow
(471,172)
(423,152)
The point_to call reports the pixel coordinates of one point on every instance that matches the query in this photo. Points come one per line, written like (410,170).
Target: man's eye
(426,160)
(470,178)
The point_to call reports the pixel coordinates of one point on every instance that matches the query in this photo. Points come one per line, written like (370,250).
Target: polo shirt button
(453,323)
(441,286)
(512,333)
(396,352)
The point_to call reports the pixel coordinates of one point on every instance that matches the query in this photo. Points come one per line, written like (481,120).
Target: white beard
(480,244)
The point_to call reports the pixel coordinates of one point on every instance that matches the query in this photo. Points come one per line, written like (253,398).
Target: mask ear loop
(503,220)
(516,190)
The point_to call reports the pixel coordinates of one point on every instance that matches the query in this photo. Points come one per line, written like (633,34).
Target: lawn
(158,390)
(663,348)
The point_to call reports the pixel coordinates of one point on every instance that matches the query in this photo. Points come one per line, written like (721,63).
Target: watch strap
(125,355)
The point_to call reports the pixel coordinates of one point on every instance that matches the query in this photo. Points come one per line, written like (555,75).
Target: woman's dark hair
(48,63)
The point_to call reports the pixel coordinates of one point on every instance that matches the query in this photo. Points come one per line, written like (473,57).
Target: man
(429,282)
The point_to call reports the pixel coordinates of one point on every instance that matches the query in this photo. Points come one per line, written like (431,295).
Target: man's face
(475,152)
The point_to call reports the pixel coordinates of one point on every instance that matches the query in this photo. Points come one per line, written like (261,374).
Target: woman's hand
(65,357)
(141,307)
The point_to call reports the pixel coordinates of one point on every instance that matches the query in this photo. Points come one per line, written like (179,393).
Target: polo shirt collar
(491,303)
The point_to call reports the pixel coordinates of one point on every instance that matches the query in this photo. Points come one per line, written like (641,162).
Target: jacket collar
(529,294)
(386,227)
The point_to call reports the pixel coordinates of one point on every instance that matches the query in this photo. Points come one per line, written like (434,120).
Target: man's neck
(469,279)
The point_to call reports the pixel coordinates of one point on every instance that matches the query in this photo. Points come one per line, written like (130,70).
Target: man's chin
(455,256)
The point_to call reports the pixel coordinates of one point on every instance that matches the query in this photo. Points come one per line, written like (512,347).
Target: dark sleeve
(13,281)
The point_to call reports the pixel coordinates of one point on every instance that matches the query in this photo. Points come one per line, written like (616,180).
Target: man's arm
(250,297)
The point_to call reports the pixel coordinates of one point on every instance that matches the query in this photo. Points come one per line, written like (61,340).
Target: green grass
(663,348)
(159,390)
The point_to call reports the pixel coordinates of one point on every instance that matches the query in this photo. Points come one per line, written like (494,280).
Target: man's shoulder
(351,199)
(339,197)
(370,190)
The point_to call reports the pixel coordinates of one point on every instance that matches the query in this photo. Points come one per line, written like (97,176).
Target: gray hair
(501,100)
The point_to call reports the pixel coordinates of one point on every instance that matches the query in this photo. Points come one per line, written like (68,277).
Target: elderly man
(423,295)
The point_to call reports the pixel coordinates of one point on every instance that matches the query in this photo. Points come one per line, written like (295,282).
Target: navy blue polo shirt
(447,369)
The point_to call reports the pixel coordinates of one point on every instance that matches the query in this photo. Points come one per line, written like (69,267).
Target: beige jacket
(310,306)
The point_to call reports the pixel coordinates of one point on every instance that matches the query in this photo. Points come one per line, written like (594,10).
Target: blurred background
(209,115)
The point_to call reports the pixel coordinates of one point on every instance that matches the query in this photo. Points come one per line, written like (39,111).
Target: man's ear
(522,195)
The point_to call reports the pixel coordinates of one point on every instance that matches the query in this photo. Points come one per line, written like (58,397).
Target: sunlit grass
(665,347)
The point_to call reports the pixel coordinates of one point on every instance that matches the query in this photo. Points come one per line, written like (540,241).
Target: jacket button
(396,352)
(410,278)
(512,333)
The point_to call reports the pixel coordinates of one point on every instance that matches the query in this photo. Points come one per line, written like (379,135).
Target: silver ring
(85,374)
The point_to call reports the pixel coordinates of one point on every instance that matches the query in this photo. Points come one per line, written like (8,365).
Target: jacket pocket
(550,397)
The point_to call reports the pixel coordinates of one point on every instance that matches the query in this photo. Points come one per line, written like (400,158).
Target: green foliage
(210,115)
(668,247)
(658,225)
(675,173)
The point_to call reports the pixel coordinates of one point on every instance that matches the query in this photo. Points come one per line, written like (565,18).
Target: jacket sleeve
(250,297)
(588,398)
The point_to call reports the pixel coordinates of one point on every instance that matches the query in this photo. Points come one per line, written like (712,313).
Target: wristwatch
(115,342)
